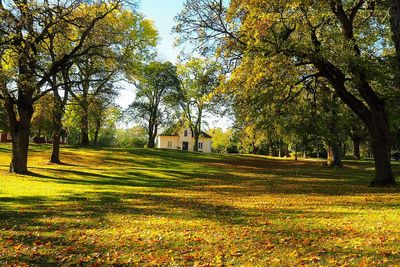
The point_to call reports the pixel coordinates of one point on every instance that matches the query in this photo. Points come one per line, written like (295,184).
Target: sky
(162,13)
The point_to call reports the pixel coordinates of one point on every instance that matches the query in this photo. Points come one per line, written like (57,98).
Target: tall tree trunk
(57,128)
(151,142)
(85,124)
(295,152)
(151,137)
(279,148)
(196,141)
(395,26)
(197,128)
(19,130)
(96,132)
(84,130)
(334,159)
(270,148)
(356,148)
(254,148)
(380,145)
(344,149)
(58,112)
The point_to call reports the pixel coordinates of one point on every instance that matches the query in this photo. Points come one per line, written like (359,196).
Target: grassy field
(153,207)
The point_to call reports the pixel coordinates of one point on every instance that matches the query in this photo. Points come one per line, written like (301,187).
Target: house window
(200,145)
(9,136)
(169,144)
(185,133)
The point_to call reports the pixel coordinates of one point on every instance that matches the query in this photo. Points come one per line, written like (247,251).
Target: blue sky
(162,13)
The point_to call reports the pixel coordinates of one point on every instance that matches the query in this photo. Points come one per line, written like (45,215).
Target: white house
(184,140)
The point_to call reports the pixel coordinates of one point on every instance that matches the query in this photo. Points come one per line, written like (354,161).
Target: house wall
(206,144)
(162,142)
(188,138)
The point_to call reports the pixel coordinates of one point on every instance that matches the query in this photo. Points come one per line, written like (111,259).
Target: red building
(5,138)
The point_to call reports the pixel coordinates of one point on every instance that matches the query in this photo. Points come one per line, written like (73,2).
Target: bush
(232,149)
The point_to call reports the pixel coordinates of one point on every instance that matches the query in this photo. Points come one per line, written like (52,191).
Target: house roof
(205,135)
(174,132)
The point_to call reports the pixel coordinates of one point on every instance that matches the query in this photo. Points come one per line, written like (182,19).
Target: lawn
(154,207)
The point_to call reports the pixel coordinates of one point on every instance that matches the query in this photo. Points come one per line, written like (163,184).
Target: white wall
(163,142)
(178,140)
(206,144)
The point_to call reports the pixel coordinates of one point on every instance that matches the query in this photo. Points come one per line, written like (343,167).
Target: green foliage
(42,121)
(156,85)
(196,95)
(220,140)
(135,137)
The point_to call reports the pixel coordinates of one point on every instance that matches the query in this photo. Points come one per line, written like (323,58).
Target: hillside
(154,207)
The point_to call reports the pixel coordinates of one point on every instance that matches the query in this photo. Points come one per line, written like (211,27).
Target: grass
(153,207)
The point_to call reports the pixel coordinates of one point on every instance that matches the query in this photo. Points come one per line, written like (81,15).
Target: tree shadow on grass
(269,177)
(58,227)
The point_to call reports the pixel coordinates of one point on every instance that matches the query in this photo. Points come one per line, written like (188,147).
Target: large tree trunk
(84,130)
(356,148)
(96,132)
(380,144)
(151,133)
(395,26)
(57,125)
(84,126)
(20,135)
(279,148)
(55,153)
(151,142)
(196,141)
(334,159)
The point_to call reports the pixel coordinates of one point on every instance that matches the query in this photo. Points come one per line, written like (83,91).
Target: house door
(185,146)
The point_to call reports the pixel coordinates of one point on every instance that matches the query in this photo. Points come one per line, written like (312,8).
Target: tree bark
(19,130)
(334,159)
(279,148)
(381,147)
(196,141)
(57,125)
(85,125)
(96,132)
(356,148)
(152,130)
(395,27)
(373,116)
(84,130)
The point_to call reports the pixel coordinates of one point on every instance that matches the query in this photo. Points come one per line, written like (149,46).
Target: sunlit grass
(155,207)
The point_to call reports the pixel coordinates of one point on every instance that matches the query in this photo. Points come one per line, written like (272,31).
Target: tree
(394,6)
(104,115)
(156,84)
(126,38)
(42,119)
(220,140)
(335,41)
(3,118)
(131,137)
(199,78)
(25,28)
